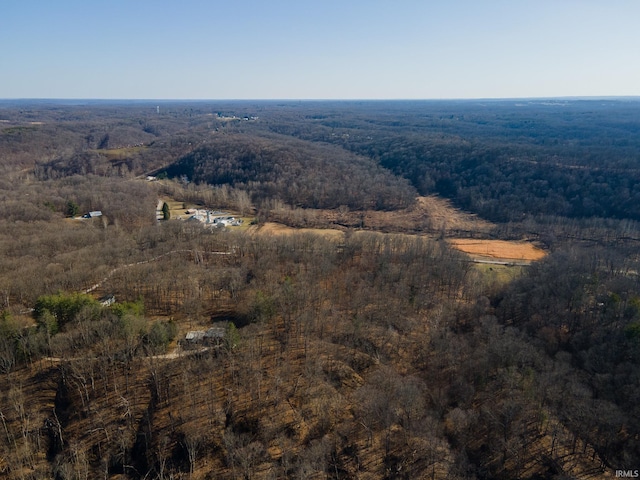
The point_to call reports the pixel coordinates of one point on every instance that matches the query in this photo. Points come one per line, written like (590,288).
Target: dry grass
(176,209)
(498,249)
(271,228)
(427,215)
(444,216)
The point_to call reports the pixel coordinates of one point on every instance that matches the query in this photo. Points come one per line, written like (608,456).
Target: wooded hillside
(297,172)
(133,347)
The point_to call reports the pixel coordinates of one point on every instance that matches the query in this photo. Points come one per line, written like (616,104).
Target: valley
(333,290)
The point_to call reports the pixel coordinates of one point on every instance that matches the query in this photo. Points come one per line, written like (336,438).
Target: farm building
(217,219)
(195,336)
(210,337)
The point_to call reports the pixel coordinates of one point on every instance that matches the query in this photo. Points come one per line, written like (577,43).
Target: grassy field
(499,274)
(116,153)
(498,249)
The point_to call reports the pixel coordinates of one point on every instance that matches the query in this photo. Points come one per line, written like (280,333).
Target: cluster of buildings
(213,218)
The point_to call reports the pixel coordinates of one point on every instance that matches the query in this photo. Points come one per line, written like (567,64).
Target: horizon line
(132,99)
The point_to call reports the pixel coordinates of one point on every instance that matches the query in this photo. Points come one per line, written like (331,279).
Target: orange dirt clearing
(498,249)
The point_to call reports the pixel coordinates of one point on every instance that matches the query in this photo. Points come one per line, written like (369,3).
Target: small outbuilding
(94,214)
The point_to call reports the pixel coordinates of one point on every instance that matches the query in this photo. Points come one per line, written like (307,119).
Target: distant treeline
(502,160)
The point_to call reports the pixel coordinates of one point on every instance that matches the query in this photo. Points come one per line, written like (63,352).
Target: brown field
(271,228)
(498,249)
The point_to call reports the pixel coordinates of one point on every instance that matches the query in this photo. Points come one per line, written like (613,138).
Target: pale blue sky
(324,49)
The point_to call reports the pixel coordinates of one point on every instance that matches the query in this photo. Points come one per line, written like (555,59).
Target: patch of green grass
(120,152)
(499,273)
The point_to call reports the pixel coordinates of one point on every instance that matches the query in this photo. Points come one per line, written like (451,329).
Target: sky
(320,49)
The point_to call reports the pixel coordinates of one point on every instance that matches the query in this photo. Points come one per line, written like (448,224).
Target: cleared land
(444,216)
(429,214)
(498,249)
(178,211)
(119,153)
(272,228)
(489,250)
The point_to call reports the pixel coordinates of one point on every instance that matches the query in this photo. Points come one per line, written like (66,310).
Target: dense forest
(299,173)
(366,347)
(503,159)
